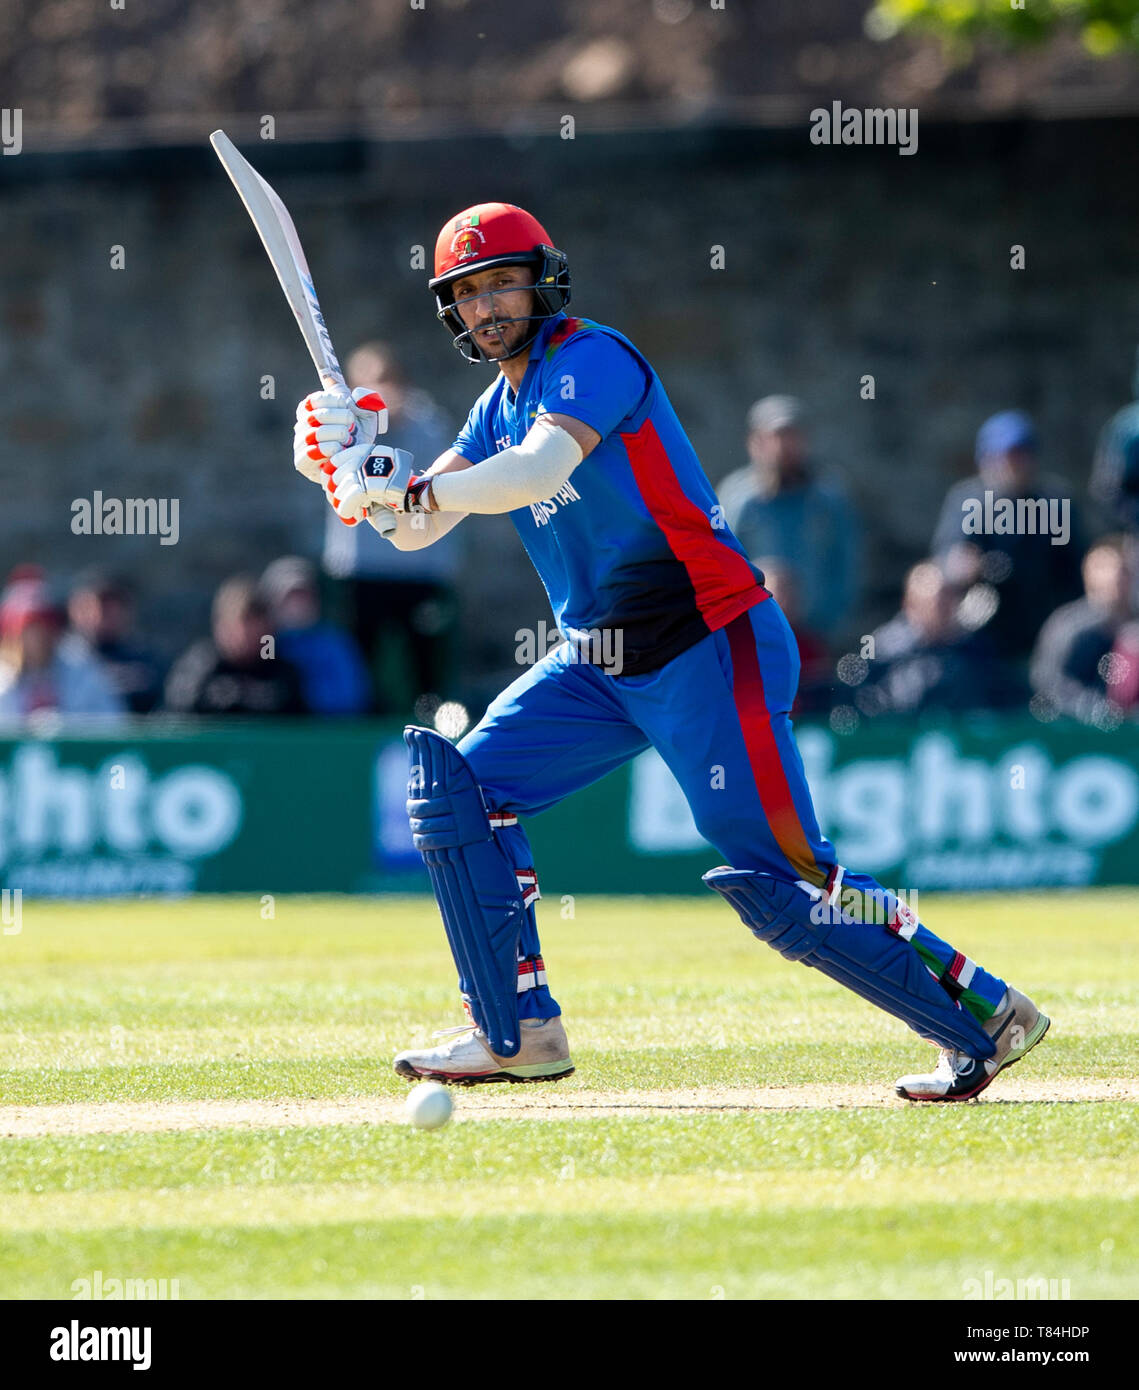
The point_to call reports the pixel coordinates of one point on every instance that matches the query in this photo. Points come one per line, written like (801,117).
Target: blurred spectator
(1073,667)
(101,609)
(925,659)
(1027,573)
(235,671)
(399,605)
(36,674)
(815,666)
(1124,669)
(333,677)
(778,506)
(1115,471)
(1114,483)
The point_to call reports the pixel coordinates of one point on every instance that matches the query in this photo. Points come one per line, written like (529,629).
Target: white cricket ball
(428,1105)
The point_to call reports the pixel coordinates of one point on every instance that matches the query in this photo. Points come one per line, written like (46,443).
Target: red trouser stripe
(763,754)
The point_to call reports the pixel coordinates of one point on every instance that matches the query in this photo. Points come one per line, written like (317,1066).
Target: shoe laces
(952,1063)
(451,1032)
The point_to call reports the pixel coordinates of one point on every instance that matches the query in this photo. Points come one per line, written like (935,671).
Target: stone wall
(146,380)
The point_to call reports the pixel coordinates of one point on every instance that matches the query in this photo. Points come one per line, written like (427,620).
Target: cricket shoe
(468,1061)
(1015,1030)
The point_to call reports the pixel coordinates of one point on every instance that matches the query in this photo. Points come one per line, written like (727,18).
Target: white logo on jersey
(542,511)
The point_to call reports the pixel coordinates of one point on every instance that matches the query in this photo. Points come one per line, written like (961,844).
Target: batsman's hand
(329,422)
(369,476)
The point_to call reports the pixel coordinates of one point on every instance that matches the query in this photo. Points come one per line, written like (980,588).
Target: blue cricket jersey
(635,540)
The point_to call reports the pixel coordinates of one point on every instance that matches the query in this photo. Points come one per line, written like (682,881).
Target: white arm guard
(524,473)
(413,530)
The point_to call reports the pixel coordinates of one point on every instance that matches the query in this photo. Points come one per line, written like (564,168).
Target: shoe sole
(1037,1035)
(406,1070)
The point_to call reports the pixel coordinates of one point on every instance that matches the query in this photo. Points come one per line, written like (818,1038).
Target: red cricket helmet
(493,234)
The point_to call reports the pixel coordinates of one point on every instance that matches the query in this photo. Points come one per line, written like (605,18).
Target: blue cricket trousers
(719,716)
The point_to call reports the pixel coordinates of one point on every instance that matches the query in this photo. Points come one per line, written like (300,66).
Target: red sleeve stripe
(763,755)
(722,579)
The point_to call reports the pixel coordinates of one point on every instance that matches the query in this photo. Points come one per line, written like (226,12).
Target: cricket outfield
(192,1092)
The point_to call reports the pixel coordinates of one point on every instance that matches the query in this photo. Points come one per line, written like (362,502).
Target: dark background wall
(146,381)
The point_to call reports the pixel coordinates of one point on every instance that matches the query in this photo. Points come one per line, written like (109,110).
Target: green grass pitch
(667,1167)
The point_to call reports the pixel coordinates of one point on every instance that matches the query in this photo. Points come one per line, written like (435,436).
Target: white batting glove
(369,476)
(328,422)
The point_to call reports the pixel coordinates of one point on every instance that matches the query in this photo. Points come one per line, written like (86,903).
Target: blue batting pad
(867,958)
(474,882)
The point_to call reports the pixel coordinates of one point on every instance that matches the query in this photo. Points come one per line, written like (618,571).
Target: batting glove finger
(330,421)
(364,409)
(366,477)
(311,460)
(327,415)
(326,400)
(313,448)
(345,487)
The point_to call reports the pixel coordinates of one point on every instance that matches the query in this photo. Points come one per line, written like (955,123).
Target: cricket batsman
(671,641)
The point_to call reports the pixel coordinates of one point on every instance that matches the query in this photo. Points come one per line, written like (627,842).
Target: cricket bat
(283,247)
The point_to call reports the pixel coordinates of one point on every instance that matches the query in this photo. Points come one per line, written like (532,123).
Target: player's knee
(792,918)
(444,802)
